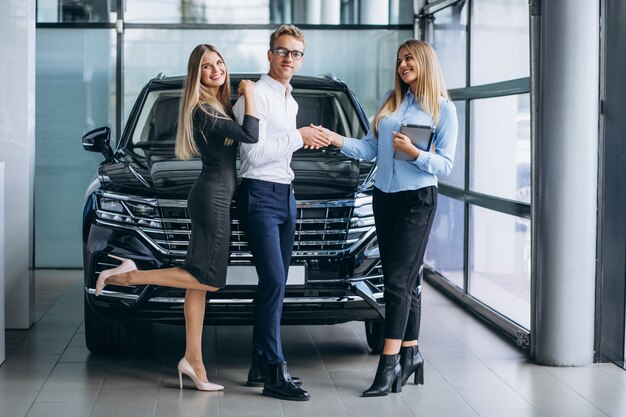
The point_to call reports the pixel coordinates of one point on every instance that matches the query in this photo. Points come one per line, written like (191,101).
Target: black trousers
(268,217)
(403,223)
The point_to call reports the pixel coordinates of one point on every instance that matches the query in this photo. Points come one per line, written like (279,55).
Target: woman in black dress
(206,128)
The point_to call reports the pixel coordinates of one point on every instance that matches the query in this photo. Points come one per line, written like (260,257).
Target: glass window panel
(69,11)
(246,51)
(450,42)
(400,12)
(313,12)
(500,41)
(445,245)
(75,76)
(500,262)
(500,147)
(198,11)
(457,176)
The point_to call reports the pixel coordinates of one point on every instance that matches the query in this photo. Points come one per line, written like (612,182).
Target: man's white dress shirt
(270,157)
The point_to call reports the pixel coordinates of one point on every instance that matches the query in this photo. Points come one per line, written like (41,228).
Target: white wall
(17,151)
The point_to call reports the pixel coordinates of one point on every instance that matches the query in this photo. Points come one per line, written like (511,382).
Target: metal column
(566,174)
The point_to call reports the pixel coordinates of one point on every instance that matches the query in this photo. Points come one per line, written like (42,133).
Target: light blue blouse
(395,175)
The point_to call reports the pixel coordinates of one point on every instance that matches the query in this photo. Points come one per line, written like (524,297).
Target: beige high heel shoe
(127,265)
(185,368)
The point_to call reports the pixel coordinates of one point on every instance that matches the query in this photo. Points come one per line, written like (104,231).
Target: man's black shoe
(258,368)
(278,384)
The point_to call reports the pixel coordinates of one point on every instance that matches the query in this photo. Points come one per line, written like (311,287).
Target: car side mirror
(99,140)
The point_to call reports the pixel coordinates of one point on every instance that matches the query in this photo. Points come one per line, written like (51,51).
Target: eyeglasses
(282,52)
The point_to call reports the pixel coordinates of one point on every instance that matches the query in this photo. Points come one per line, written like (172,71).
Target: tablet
(421,136)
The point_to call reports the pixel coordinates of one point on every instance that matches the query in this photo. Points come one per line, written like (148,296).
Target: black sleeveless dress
(210,197)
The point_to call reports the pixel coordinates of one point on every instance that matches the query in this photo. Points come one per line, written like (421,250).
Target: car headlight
(123,209)
(141,210)
(111,205)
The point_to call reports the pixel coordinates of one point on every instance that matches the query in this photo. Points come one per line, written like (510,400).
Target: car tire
(109,337)
(375,334)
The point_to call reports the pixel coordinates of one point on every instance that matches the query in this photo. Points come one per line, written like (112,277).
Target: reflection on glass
(70,11)
(445,245)
(456,178)
(500,262)
(75,79)
(500,147)
(198,11)
(314,12)
(148,52)
(500,41)
(449,40)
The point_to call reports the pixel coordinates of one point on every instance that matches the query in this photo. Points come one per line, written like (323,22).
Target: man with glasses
(268,207)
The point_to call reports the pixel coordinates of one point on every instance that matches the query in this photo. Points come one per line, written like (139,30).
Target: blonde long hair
(430,84)
(195,94)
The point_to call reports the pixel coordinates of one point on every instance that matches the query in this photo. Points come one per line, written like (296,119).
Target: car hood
(319,174)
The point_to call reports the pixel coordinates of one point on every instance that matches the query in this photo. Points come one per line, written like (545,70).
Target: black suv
(136,208)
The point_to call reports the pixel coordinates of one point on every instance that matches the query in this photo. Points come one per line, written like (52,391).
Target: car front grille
(322,228)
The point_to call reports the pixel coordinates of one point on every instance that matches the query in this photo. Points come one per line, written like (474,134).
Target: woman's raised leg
(169,277)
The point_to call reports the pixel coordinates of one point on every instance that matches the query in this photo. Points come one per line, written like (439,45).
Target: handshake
(316,137)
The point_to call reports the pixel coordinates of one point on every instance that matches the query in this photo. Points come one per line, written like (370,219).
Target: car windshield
(158,121)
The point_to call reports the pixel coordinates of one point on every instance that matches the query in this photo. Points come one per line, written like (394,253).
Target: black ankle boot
(412,362)
(258,369)
(387,377)
(278,384)
(256,376)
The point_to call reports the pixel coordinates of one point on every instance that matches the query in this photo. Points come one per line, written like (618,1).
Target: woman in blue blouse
(405,199)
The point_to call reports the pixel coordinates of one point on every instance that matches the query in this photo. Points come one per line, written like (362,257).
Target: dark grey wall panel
(612,276)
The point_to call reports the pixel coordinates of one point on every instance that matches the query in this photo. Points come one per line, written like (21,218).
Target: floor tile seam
(488,369)
(484,362)
(282,408)
(579,394)
(475,321)
(93,402)
(576,393)
(444,328)
(217,367)
(510,384)
(56,363)
(326,368)
(506,383)
(457,393)
(154,410)
(361,341)
(219,404)
(476,409)
(619,382)
(52,304)
(160,384)
(97,388)
(416,415)
(67,345)
(548,369)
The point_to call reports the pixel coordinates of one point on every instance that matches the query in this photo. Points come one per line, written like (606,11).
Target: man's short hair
(290,30)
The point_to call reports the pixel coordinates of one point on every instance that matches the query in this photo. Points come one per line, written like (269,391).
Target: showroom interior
(524,285)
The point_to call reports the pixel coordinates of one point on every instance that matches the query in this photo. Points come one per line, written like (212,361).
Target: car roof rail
(160,75)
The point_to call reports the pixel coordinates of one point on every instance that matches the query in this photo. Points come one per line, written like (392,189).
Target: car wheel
(109,337)
(374,332)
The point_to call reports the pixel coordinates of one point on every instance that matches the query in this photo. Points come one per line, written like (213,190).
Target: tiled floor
(470,371)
